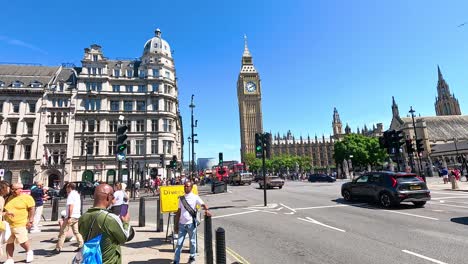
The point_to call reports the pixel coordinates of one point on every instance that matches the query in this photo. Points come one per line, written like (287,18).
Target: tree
(364,150)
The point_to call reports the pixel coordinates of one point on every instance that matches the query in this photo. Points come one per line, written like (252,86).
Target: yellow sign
(169,197)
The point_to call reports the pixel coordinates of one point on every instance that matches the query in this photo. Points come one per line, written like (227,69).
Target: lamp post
(189,164)
(192,106)
(136,176)
(416,140)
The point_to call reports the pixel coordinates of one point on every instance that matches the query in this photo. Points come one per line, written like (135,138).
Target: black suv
(388,188)
(317,177)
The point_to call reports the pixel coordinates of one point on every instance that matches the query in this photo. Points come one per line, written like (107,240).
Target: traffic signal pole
(416,138)
(264,176)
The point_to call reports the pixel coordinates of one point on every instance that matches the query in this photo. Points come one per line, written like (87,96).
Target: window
(60,102)
(96,145)
(98,126)
(154,147)
(16,106)
(89,147)
(115,88)
(140,125)
(30,126)
(95,57)
(57,138)
(142,88)
(114,105)
(168,106)
(116,72)
(17,84)
(167,74)
(13,126)
(167,147)
(129,73)
(93,86)
(139,147)
(128,105)
(155,72)
(93,104)
(11,152)
(167,125)
(27,152)
(128,88)
(129,147)
(141,105)
(167,89)
(142,73)
(362,179)
(64,137)
(36,84)
(154,125)
(113,125)
(155,87)
(94,71)
(111,147)
(155,104)
(91,125)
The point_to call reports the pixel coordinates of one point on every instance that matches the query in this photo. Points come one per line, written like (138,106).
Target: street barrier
(141,213)
(220,246)
(55,206)
(208,241)
(159,218)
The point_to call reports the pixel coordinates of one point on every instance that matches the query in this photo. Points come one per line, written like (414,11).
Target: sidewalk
(437,184)
(148,246)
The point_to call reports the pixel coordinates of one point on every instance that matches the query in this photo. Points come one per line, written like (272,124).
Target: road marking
(323,206)
(265,211)
(450,205)
(423,257)
(313,221)
(449,193)
(261,206)
(288,207)
(238,257)
(220,216)
(415,215)
(450,197)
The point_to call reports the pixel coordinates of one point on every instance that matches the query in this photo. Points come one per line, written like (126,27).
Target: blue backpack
(90,253)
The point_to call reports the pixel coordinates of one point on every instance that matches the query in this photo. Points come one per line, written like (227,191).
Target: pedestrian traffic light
(220,159)
(161,160)
(121,140)
(267,144)
(419,146)
(259,145)
(409,146)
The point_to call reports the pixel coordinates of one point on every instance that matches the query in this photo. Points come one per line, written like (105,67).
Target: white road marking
(323,206)
(287,207)
(261,206)
(450,205)
(248,212)
(313,221)
(423,257)
(438,211)
(415,215)
(290,213)
(449,193)
(265,211)
(450,197)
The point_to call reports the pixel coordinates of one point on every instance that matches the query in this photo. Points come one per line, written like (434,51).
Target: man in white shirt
(71,218)
(186,222)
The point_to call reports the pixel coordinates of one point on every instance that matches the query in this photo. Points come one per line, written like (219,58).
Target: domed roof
(157,45)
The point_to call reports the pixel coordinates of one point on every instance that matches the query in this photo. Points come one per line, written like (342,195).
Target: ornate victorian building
(446,103)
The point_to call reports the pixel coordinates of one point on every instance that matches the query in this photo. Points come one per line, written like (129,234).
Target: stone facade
(66,118)
(446,103)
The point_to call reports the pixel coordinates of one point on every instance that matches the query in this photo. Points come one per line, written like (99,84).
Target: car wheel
(280,187)
(419,204)
(347,195)
(385,200)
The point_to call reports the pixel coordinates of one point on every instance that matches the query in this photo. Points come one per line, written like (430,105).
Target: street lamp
(192,106)
(189,164)
(416,140)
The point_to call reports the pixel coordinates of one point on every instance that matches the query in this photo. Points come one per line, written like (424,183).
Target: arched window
(26,177)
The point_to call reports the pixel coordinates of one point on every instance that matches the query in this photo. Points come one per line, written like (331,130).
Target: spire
(336,116)
(246,48)
(439,73)
(395,111)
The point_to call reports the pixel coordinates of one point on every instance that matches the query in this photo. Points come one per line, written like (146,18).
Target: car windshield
(274,178)
(407,178)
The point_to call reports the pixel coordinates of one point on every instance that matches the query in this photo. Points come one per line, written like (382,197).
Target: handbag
(189,209)
(90,253)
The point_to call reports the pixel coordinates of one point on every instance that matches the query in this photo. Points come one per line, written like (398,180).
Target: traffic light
(259,145)
(173,163)
(387,141)
(161,159)
(267,144)
(398,140)
(121,140)
(419,146)
(409,146)
(220,159)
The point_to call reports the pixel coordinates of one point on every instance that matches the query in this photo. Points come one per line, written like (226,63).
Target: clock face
(250,87)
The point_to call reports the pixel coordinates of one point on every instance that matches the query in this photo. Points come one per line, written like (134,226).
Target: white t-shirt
(74,198)
(192,200)
(119,197)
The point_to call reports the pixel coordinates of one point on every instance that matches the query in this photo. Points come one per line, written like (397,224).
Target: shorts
(445,177)
(20,234)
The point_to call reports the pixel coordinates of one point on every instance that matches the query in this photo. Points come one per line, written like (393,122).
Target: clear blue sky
(311,55)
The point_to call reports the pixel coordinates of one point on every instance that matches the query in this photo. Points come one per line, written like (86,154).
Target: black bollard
(159,218)
(55,206)
(220,246)
(141,216)
(208,241)
(82,202)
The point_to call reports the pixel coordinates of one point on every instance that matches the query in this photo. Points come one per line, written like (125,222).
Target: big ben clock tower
(249,95)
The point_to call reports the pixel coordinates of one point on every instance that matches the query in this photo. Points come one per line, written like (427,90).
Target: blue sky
(311,55)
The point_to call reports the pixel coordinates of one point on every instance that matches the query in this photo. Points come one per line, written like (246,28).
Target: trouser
(37,216)
(73,224)
(183,230)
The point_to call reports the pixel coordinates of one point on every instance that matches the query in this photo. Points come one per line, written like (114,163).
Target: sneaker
(9,261)
(29,256)
(191,260)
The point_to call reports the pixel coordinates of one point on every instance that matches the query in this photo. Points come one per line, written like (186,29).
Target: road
(310,223)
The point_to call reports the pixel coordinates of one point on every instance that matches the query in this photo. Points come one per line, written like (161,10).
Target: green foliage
(278,163)
(365,150)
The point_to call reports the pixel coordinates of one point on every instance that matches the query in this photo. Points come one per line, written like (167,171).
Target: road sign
(121,156)
(170,197)
(2,173)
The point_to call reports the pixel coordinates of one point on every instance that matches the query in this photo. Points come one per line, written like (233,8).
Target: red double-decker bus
(221,173)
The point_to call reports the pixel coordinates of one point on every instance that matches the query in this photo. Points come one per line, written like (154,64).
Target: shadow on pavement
(151,242)
(221,207)
(373,205)
(460,220)
(156,261)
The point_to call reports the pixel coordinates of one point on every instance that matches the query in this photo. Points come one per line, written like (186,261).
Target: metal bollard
(220,246)
(159,218)
(141,216)
(225,186)
(208,241)
(55,206)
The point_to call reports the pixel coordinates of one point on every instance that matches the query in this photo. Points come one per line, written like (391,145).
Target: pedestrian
(445,174)
(119,196)
(187,221)
(20,216)
(137,189)
(39,196)
(73,209)
(4,191)
(114,229)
